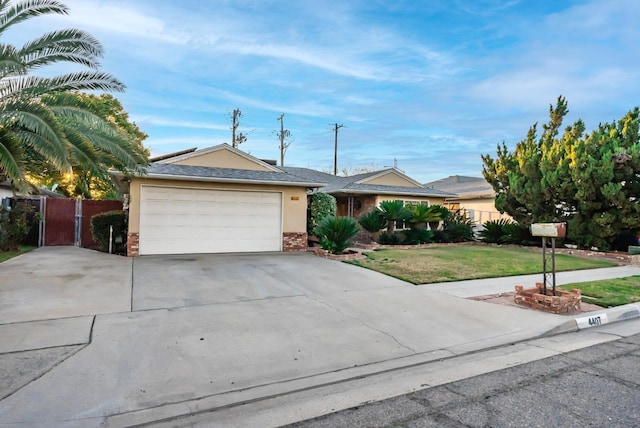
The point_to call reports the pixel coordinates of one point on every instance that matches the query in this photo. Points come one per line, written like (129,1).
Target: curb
(597,318)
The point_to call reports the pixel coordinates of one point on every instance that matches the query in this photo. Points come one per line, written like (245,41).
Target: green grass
(6,255)
(460,262)
(609,292)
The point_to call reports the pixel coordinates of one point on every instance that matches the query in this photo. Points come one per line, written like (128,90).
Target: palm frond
(34,86)
(37,127)
(10,156)
(67,45)
(24,10)
(10,62)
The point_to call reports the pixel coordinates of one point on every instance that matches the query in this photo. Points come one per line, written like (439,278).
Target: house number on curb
(592,321)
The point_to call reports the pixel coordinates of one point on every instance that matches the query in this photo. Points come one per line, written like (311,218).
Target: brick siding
(294,241)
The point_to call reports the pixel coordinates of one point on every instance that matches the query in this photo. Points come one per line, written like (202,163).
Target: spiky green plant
(372,221)
(494,231)
(393,211)
(335,233)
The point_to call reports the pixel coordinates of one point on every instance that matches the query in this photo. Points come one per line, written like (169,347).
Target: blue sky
(433,84)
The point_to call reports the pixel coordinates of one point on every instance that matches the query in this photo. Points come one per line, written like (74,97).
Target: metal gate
(68,221)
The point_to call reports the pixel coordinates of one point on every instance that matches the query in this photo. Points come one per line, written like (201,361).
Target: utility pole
(235,122)
(282,135)
(335,149)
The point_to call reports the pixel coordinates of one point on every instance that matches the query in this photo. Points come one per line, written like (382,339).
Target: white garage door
(177,220)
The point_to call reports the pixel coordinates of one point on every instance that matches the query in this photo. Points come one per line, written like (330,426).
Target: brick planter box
(563,302)
(351,255)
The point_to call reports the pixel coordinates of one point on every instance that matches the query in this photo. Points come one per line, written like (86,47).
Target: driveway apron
(214,327)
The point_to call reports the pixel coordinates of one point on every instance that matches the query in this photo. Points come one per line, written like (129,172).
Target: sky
(427,85)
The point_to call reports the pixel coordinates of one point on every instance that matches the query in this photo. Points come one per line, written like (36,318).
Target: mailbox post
(549,231)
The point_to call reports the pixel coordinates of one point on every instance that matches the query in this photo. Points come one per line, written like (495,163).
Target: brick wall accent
(294,241)
(562,302)
(366,203)
(133,245)
(352,255)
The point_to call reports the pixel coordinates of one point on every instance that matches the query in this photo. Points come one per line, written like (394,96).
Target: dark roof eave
(389,192)
(228,180)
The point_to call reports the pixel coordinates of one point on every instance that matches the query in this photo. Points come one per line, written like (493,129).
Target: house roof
(173,155)
(34,192)
(357,184)
(465,187)
(309,174)
(203,173)
(224,146)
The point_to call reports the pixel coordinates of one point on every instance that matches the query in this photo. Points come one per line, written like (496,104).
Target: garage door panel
(181,220)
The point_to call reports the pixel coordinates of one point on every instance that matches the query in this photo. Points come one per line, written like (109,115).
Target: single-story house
(357,194)
(216,200)
(472,194)
(221,199)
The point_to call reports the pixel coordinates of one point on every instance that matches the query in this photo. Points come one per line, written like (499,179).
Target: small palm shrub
(457,228)
(391,238)
(518,235)
(335,233)
(494,231)
(373,221)
(418,236)
(394,211)
(421,215)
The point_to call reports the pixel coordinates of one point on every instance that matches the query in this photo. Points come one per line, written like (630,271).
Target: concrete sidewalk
(199,344)
(481,287)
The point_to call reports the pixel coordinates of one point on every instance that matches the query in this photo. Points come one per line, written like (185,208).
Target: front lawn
(460,262)
(609,292)
(6,255)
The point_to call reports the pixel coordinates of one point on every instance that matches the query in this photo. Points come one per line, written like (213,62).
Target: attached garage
(214,200)
(180,220)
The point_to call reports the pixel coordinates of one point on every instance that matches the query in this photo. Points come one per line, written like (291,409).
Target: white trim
(226,180)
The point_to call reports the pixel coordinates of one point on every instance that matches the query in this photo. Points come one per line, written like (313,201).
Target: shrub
(494,231)
(14,226)
(518,235)
(393,238)
(335,233)
(418,236)
(394,211)
(421,215)
(457,227)
(372,221)
(439,212)
(321,205)
(100,229)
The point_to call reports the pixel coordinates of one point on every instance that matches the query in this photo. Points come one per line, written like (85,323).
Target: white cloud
(160,121)
(121,18)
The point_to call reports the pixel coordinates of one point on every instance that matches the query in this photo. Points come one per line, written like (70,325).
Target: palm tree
(423,214)
(394,211)
(29,127)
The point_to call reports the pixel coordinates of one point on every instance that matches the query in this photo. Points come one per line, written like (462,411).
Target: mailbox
(549,230)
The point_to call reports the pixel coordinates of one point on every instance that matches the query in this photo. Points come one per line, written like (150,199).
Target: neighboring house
(6,191)
(357,194)
(216,200)
(473,195)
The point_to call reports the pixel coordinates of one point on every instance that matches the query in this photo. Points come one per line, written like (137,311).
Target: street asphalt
(90,339)
(597,386)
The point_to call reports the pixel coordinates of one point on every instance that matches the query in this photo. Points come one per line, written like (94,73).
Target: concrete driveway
(161,336)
